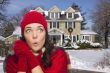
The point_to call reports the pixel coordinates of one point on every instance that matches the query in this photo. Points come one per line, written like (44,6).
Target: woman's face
(34,34)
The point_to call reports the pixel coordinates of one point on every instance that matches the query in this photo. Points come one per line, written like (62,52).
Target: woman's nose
(35,35)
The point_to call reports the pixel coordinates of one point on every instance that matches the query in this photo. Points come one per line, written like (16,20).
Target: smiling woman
(33,52)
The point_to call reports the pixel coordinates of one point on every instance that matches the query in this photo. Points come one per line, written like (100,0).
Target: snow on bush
(88,44)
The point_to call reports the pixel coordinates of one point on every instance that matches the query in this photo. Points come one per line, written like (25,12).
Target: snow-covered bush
(85,44)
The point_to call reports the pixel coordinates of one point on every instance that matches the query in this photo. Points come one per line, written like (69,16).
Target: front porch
(56,36)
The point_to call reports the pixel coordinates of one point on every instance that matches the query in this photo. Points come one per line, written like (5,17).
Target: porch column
(61,36)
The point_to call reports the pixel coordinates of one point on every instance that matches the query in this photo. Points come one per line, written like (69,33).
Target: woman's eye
(28,30)
(40,30)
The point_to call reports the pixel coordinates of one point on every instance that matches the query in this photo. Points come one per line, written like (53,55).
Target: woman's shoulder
(59,55)
(59,51)
(11,58)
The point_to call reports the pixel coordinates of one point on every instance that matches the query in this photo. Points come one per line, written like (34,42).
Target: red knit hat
(33,17)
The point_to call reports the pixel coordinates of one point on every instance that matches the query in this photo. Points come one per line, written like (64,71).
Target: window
(56,15)
(50,24)
(57,24)
(52,15)
(54,24)
(87,38)
(74,39)
(69,24)
(69,15)
(76,16)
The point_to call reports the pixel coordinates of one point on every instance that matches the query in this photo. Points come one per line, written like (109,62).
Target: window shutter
(66,25)
(57,24)
(74,25)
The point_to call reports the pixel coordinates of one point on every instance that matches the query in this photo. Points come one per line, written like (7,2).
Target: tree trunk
(106,36)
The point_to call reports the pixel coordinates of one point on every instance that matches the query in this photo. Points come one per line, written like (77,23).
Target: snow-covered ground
(87,59)
(1,64)
(82,59)
(1,67)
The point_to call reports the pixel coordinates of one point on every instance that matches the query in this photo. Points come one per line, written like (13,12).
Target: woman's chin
(36,51)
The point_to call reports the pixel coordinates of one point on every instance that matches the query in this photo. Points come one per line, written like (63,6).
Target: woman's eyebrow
(28,27)
(40,26)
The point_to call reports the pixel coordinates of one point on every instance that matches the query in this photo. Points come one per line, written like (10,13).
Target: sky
(86,6)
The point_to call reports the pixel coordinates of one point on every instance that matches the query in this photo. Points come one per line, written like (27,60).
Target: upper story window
(54,15)
(70,15)
(54,24)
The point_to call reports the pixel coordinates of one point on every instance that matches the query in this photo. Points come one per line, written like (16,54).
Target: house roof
(70,9)
(54,9)
(39,9)
(55,31)
(17,31)
(79,18)
(87,32)
(2,38)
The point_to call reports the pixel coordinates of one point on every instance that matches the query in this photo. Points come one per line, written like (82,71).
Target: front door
(56,39)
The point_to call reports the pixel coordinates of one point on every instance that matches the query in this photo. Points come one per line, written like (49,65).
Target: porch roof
(55,31)
(87,32)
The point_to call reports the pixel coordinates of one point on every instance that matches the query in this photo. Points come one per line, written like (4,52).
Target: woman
(33,52)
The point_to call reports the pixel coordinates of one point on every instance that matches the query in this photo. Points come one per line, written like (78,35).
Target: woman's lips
(35,44)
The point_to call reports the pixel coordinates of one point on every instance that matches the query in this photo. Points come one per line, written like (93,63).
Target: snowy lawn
(1,65)
(87,59)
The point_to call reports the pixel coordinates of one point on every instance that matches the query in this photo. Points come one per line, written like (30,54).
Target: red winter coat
(58,59)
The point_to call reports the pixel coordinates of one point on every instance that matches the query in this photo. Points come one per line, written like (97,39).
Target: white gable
(54,9)
(39,9)
(70,9)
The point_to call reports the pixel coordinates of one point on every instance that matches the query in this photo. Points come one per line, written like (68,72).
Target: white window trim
(68,15)
(88,36)
(56,25)
(72,25)
(50,16)
(54,14)
(58,15)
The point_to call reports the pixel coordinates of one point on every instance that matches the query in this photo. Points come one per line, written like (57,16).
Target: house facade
(60,21)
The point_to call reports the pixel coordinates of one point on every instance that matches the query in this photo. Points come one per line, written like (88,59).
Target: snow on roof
(17,31)
(62,12)
(88,32)
(2,38)
(80,18)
